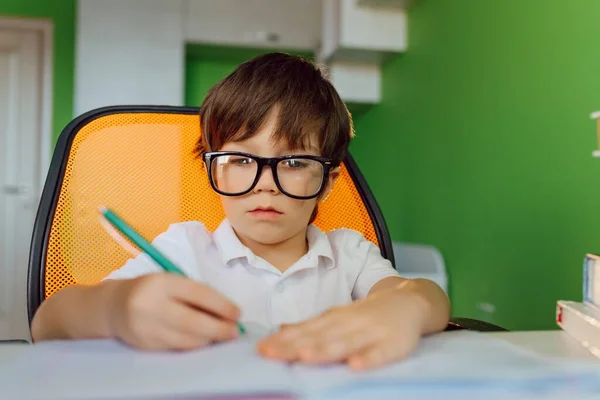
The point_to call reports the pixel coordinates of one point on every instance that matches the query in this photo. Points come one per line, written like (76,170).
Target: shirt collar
(319,246)
(230,247)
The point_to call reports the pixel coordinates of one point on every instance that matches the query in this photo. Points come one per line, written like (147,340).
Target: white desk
(556,343)
(552,343)
(9,352)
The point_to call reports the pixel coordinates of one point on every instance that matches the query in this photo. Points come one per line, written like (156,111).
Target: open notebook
(460,362)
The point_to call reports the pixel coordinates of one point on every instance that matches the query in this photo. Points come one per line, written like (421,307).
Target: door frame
(45,28)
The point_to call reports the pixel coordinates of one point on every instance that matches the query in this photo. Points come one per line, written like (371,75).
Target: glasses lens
(300,176)
(233,174)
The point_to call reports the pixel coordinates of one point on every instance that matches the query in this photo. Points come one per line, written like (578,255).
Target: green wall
(62,13)
(485,136)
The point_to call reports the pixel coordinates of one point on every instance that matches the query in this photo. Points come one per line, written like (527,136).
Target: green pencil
(146,247)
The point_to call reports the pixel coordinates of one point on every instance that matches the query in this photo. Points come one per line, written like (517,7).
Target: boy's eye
(295,164)
(240,160)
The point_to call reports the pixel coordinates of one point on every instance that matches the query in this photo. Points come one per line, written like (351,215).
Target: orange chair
(140,162)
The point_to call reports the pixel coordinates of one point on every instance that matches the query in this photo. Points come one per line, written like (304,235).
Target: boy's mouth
(265,213)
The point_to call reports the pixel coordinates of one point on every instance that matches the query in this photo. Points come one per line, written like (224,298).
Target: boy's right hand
(165,311)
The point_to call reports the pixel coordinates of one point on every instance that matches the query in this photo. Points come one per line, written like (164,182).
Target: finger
(381,354)
(203,297)
(275,347)
(333,323)
(287,345)
(338,348)
(162,337)
(300,330)
(193,322)
(284,351)
(174,339)
(282,343)
(345,324)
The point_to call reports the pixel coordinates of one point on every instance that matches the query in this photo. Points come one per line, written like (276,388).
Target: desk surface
(555,343)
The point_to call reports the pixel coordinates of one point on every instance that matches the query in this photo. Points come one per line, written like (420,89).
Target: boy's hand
(166,311)
(380,329)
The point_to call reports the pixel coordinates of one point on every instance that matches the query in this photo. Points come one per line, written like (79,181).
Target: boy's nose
(266,181)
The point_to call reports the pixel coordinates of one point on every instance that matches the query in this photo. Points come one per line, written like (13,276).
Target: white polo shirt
(340,266)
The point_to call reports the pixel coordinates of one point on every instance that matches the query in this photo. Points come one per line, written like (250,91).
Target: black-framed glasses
(234,173)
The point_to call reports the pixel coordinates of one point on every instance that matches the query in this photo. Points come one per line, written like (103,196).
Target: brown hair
(309,106)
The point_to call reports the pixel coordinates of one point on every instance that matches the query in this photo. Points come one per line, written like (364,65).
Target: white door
(20,140)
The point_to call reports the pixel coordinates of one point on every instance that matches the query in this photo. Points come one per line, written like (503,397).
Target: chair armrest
(14,341)
(457,323)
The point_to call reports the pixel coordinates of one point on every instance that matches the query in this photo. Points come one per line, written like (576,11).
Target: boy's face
(265,215)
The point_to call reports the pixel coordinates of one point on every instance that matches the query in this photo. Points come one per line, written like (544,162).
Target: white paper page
(464,364)
(99,369)
(459,362)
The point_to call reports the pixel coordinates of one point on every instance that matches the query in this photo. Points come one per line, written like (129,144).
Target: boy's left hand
(380,329)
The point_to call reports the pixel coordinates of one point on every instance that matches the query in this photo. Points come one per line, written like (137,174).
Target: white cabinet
(356,82)
(133,51)
(386,4)
(356,39)
(352,32)
(283,24)
(129,52)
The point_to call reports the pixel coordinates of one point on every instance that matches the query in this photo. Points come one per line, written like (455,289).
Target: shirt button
(280,287)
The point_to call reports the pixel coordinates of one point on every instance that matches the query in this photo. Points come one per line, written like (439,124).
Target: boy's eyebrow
(303,151)
(238,146)
(299,150)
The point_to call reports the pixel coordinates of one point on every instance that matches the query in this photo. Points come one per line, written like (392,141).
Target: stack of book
(581,320)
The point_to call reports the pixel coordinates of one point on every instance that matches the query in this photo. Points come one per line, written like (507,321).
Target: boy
(273,135)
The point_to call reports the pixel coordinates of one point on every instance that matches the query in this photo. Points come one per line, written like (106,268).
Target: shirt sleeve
(374,267)
(173,243)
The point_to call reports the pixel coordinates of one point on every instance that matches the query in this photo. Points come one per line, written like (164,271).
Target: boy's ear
(333,175)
